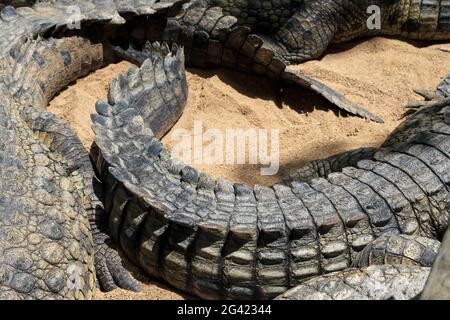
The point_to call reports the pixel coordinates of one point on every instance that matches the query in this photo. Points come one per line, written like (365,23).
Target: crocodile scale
(363,220)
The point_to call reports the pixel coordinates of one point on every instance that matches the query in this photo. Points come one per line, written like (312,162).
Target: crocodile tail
(215,239)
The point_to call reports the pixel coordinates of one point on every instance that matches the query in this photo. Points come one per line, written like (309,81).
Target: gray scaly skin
(218,240)
(264,37)
(206,237)
(46,245)
(180,255)
(50,222)
(364,283)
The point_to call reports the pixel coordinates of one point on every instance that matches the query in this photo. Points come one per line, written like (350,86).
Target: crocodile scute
(363,220)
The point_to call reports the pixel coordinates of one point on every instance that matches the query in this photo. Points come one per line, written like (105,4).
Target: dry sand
(379,74)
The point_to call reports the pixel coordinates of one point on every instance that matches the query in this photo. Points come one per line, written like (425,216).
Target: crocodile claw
(427,94)
(414,107)
(111,274)
(430,97)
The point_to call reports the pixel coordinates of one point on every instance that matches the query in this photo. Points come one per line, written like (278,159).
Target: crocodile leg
(309,32)
(427,94)
(57,135)
(430,99)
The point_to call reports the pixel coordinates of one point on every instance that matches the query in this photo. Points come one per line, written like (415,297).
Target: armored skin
(360,215)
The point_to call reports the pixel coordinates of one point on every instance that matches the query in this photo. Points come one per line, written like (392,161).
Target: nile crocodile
(206,237)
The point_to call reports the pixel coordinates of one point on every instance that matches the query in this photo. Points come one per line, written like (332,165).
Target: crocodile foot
(414,107)
(430,97)
(431,100)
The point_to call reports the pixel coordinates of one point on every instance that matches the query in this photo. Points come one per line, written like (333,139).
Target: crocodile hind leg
(430,97)
(427,94)
(63,142)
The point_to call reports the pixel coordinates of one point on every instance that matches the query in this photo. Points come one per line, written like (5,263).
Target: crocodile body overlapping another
(58,221)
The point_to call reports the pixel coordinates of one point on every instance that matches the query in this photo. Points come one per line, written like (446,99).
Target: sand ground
(378,74)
